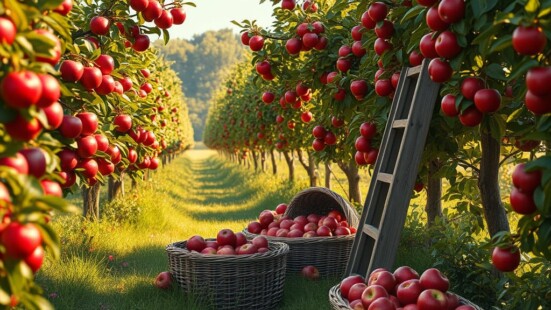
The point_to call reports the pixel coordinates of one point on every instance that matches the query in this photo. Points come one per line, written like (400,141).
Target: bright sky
(218,14)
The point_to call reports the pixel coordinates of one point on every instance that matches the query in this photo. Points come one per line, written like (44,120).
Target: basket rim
(336,298)
(317,239)
(179,249)
(349,212)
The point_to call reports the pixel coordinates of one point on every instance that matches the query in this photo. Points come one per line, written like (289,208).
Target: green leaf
(495,71)
(17,14)
(521,68)
(413,12)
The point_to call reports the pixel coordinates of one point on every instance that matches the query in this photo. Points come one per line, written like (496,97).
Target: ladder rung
(371,231)
(385,177)
(414,70)
(400,123)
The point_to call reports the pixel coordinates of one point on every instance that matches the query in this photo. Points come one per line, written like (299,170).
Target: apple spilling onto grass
(403,289)
(275,224)
(163,280)
(228,243)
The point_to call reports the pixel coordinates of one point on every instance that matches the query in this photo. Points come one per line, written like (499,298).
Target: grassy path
(111,266)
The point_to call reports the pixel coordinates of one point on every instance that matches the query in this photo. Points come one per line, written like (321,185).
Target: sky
(218,14)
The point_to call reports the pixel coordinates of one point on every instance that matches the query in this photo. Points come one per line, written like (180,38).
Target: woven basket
(339,303)
(328,254)
(231,281)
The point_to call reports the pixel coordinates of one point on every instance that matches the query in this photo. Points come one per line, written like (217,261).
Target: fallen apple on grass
(163,280)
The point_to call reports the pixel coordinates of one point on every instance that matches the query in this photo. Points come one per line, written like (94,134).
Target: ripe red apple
(226,237)
(115,154)
(288,4)
(163,280)
(35,159)
(256,43)
(35,260)
(348,282)
(165,20)
(89,167)
(324,231)
(385,30)
(54,115)
(178,15)
(247,249)
(370,157)
(51,188)
(7,31)
(18,162)
(343,64)
(368,130)
(529,40)
(226,250)
(50,91)
(20,240)
(310,272)
(427,46)
(382,303)
(408,291)
(432,299)
(260,242)
(446,45)
(434,21)
(342,231)
(91,78)
(383,278)
(470,86)
(440,71)
(141,43)
(330,222)
(452,301)
(362,144)
(21,89)
(471,117)
(357,32)
(240,239)
(23,129)
(99,25)
(106,86)
(448,106)
(89,123)
(377,11)
(153,11)
(538,105)
(538,80)
(487,100)
(451,11)
(311,227)
(105,63)
(359,88)
(522,202)
(330,138)
(383,87)
(415,58)
(196,243)
(87,146)
(372,293)
(357,305)
(404,273)
(67,159)
(381,46)
(524,180)
(122,123)
(357,49)
(432,278)
(138,5)
(254,227)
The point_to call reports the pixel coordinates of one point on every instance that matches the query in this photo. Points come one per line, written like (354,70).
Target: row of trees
(84,101)
(323,79)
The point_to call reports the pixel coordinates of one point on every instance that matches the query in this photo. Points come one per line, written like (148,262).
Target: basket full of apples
(319,227)
(403,289)
(230,272)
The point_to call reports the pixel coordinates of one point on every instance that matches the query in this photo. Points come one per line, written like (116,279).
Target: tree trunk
(310,167)
(328,175)
(351,171)
(90,204)
(488,184)
(434,193)
(263,161)
(164,159)
(115,187)
(255,160)
(290,162)
(240,160)
(274,164)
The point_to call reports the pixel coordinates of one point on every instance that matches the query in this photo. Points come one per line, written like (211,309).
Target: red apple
(247,248)
(240,239)
(260,242)
(254,227)
(348,282)
(383,278)
(404,273)
(432,299)
(20,240)
(324,231)
(310,272)
(506,259)
(408,291)
(372,293)
(226,237)
(432,278)
(196,243)
(36,160)
(163,280)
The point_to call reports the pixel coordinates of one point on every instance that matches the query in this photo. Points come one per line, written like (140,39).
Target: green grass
(196,194)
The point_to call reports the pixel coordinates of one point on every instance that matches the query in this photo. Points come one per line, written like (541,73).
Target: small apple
(310,272)
(196,243)
(163,280)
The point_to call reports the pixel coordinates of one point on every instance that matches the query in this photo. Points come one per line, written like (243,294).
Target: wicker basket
(328,254)
(339,303)
(231,281)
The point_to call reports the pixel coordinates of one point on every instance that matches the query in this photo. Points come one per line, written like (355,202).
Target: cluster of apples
(275,224)
(228,243)
(365,153)
(404,289)
(309,36)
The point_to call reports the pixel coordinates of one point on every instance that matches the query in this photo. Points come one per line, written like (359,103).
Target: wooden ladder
(393,179)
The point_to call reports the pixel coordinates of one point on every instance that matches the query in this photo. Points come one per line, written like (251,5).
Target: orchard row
(83,100)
